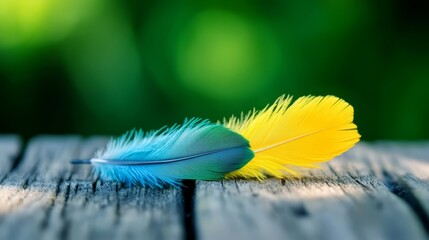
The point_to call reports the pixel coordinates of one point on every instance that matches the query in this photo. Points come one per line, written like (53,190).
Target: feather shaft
(148,162)
(285,141)
(80,161)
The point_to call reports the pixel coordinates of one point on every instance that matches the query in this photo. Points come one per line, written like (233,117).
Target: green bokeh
(103,67)
(29,23)
(223,55)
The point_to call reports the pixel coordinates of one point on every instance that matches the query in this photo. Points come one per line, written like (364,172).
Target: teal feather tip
(196,150)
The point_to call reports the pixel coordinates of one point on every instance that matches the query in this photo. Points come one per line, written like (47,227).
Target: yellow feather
(284,136)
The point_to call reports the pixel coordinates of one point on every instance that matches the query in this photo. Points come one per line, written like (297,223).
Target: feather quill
(284,136)
(195,150)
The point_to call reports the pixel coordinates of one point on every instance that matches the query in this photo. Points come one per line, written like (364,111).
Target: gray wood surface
(47,198)
(405,170)
(374,191)
(371,192)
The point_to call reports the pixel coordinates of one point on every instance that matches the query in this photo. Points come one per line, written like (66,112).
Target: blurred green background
(103,67)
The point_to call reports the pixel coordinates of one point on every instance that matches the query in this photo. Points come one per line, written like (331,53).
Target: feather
(280,139)
(195,150)
(283,136)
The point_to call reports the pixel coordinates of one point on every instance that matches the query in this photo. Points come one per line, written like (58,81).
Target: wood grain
(348,199)
(47,198)
(404,169)
(375,191)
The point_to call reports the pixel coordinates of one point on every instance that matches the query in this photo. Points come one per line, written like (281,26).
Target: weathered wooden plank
(347,200)
(404,168)
(10,147)
(28,192)
(373,192)
(396,158)
(47,198)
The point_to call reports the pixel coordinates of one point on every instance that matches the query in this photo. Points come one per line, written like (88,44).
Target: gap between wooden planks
(375,191)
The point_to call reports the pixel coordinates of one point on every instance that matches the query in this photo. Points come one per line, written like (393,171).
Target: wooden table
(375,191)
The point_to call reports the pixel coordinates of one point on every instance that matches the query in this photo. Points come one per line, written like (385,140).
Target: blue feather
(196,150)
